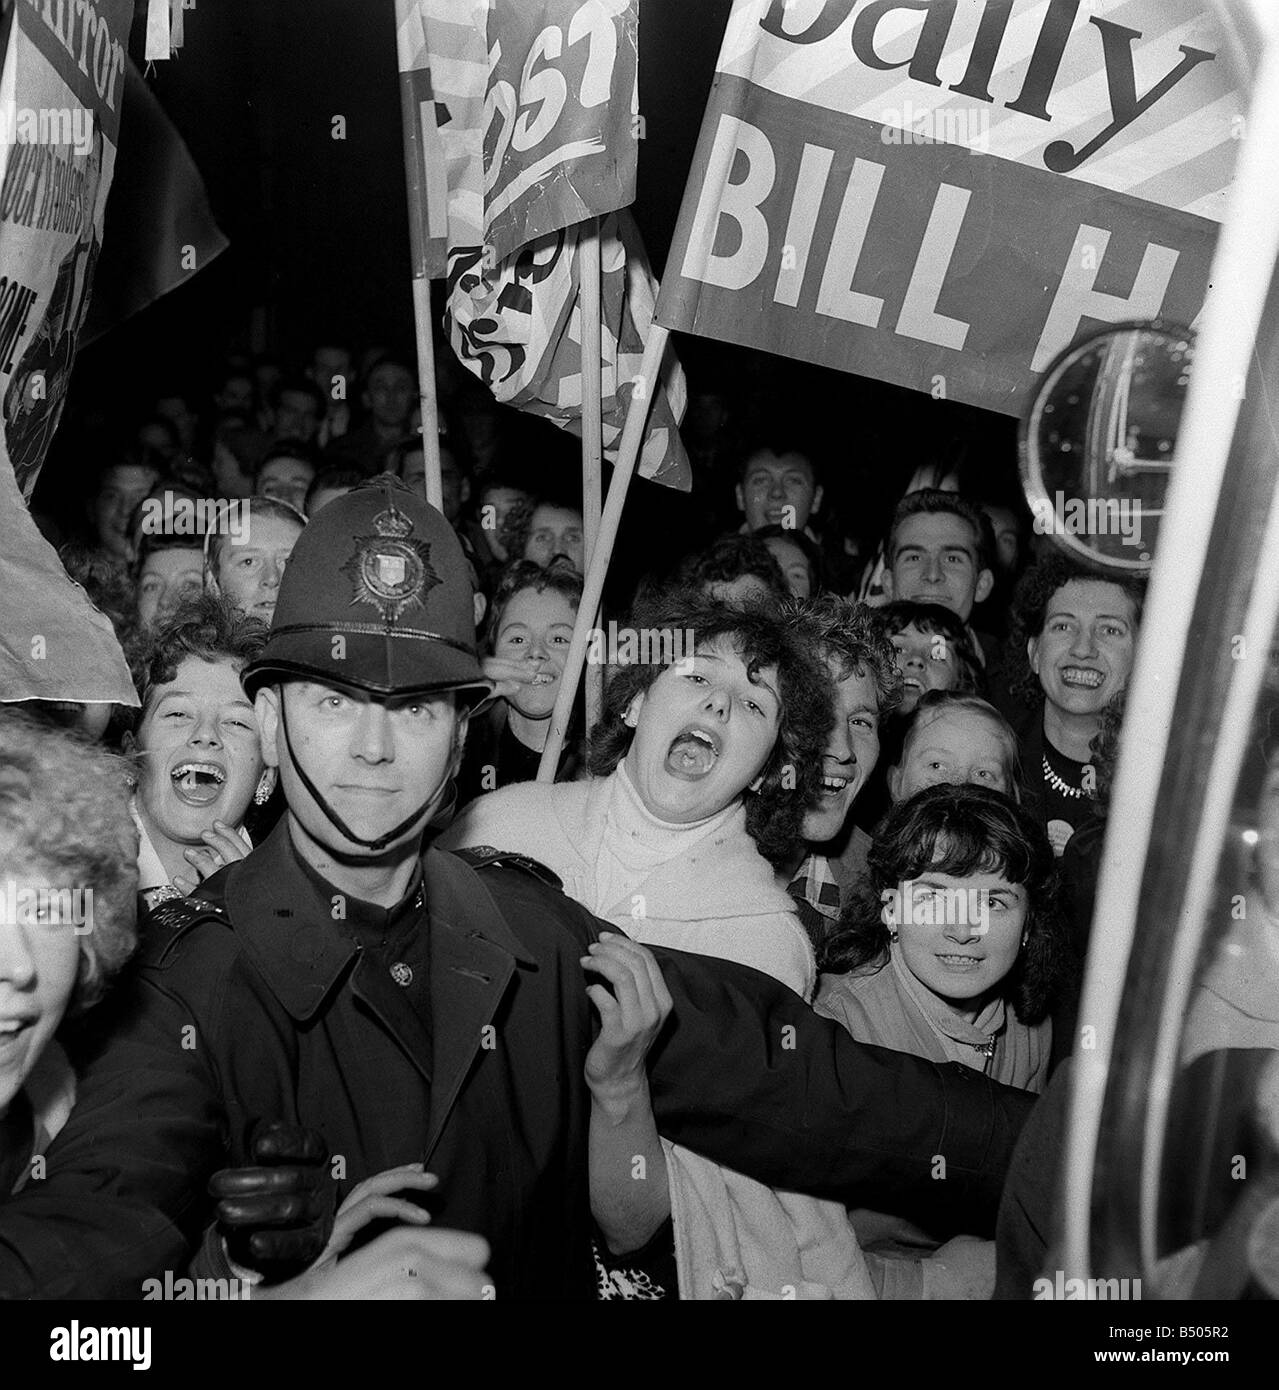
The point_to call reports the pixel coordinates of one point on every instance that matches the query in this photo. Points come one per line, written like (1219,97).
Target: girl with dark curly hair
(705,761)
(1078,630)
(953,947)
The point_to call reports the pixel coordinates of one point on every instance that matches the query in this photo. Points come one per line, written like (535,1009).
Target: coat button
(402,974)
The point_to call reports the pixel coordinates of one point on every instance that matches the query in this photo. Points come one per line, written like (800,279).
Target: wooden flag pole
(592,431)
(646,386)
(426,391)
(415,180)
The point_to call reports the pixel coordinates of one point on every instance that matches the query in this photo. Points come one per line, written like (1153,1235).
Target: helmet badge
(389,569)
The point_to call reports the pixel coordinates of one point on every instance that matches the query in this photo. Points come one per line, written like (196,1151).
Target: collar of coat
(295,934)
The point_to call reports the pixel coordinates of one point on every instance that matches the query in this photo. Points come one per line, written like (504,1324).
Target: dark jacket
(259,1005)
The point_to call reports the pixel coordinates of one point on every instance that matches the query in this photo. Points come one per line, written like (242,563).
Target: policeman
(415,1008)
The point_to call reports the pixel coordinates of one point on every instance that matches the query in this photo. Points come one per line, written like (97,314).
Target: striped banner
(946,193)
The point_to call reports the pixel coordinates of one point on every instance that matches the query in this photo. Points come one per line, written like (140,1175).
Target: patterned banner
(515,319)
(945,193)
(61,93)
(561,107)
(60,99)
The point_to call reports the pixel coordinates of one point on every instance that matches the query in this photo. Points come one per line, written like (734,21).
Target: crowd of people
(609,1036)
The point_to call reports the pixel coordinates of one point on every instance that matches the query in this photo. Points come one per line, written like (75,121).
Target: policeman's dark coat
(253,1003)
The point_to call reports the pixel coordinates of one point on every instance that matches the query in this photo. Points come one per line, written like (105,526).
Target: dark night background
(319,244)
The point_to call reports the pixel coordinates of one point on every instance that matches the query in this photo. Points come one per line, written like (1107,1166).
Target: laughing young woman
(199,765)
(1079,633)
(700,775)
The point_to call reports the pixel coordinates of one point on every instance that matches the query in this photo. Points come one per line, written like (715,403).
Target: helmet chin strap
(332,816)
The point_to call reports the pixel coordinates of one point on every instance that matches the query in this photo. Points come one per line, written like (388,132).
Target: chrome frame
(1188,713)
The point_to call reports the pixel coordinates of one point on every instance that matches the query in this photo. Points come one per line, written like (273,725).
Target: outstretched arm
(748,1075)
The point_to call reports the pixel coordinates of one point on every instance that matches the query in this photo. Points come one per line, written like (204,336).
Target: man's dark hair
(936,621)
(299,386)
(207,627)
(1033,594)
(811,552)
(847,635)
(778,441)
(931,501)
(730,558)
(383,359)
(792,774)
(960,831)
(335,476)
(288,449)
(500,475)
(146,459)
(147,543)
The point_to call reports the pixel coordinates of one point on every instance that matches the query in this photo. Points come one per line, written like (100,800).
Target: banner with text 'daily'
(945,193)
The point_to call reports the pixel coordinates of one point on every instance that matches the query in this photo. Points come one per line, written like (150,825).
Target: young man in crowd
(419,1009)
(938,552)
(328,485)
(297,407)
(498,495)
(409,463)
(778,486)
(332,372)
(390,392)
(179,409)
(235,391)
(286,473)
(867,689)
(121,487)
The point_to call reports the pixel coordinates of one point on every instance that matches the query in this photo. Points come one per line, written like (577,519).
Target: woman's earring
(894,935)
(266,785)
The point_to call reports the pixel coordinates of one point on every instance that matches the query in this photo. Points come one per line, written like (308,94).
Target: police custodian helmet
(376,597)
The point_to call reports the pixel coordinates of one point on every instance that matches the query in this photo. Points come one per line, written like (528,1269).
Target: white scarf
(633,843)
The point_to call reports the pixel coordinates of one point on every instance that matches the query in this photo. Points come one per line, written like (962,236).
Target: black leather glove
(276,1217)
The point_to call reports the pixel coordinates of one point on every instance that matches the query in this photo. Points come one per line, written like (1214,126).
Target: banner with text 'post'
(524,123)
(945,193)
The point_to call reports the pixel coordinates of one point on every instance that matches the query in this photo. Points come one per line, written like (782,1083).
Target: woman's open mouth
(198,783)
(694,751)
(1082,677)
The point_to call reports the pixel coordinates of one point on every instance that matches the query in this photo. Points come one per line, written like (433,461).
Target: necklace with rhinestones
(1059,784)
